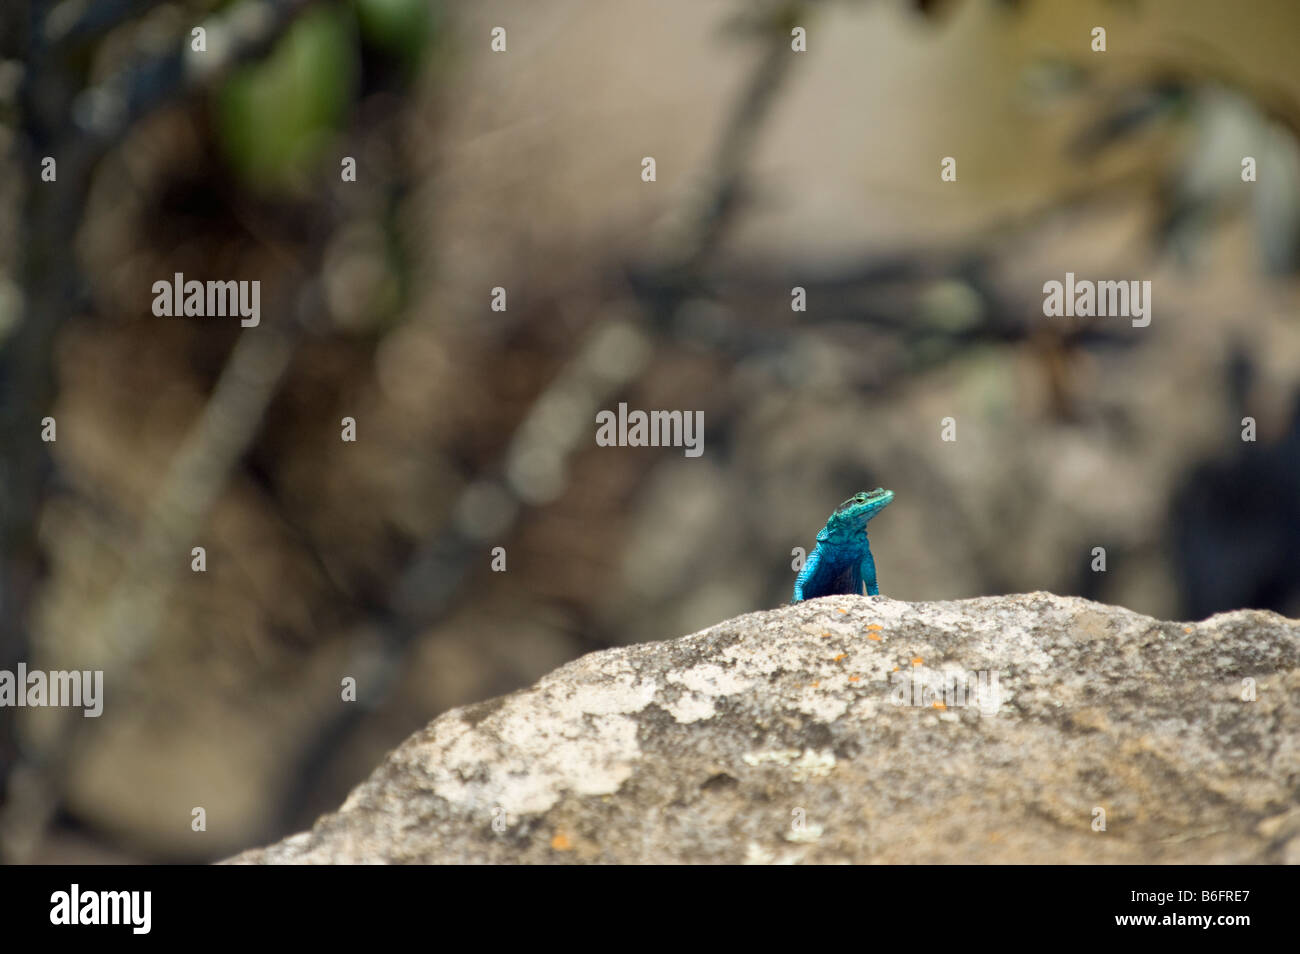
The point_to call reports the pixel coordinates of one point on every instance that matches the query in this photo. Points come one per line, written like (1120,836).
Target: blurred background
(475,427)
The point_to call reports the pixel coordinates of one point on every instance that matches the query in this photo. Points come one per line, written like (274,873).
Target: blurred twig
(77,125)
(609,359)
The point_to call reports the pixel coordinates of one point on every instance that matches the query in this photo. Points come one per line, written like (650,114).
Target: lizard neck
(839,537)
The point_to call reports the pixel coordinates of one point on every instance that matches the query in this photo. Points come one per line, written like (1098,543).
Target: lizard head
(850,518)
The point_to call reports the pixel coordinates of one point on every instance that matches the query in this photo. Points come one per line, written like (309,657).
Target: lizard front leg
(806,574)
(867,574)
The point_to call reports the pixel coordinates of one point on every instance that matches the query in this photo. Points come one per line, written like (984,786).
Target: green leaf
(274,118)
(400,28)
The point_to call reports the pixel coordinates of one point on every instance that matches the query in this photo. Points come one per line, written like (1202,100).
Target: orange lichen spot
(839,657)
(1187,629)
(826,635)
(896,669)
(854,678)
(561,842)
(874,627)
(938,705)
(917,661)
(814,685)
(873,637)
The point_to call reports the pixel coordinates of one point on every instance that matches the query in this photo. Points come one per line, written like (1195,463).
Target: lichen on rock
(1032,728)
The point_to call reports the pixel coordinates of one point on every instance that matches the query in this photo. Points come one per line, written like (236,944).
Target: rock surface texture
(1081,733)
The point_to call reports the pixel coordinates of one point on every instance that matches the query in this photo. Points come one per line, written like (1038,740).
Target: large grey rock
(775,737)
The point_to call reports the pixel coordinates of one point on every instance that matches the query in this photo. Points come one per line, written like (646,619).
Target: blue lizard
(841,562)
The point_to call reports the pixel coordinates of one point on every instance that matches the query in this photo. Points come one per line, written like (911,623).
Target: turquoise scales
(841,561)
